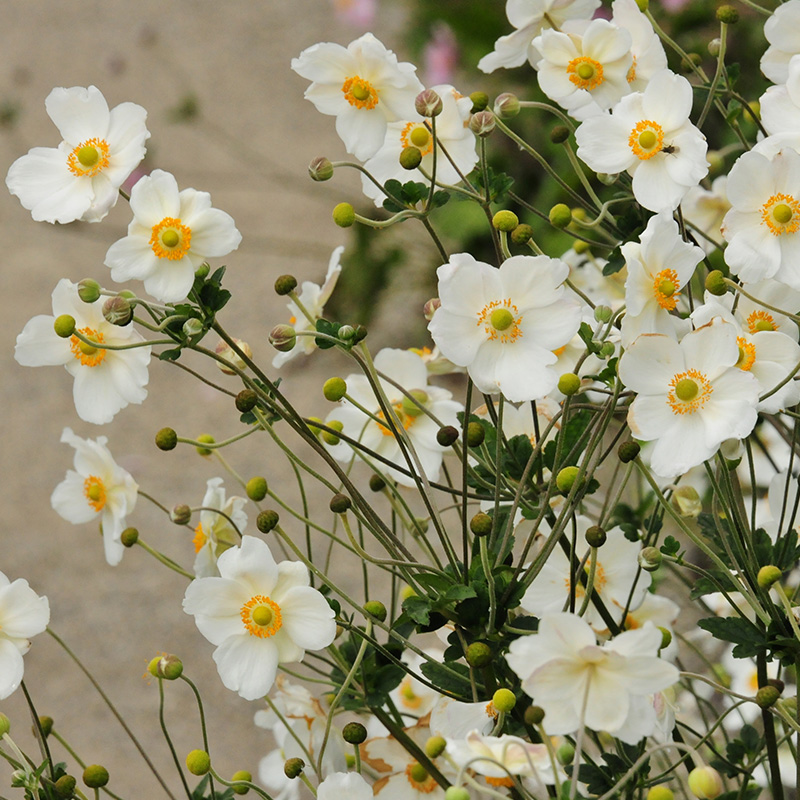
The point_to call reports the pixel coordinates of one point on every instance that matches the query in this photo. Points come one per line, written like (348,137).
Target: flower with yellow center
(172,233)
(80,179)
(96,488)
(646,48)
(222,521)
(258,614)
(690,395)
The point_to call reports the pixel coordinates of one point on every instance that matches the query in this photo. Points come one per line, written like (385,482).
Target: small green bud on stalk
(566,478)
(650,559)
(559,134)
(95,776)
(256,488)
(506,105)
(534,715)
(284,284)
(481,524)
(480,100)
(88,290)
(714,46)
(705,783)
(377,483)
(580,247)
(129,537)
(482,123)
(475,434)
(360,335)
(5,724)
(205,438)
(522,234)
(595,536)
(46,724)
(715,283)
(346,333)
(119,311)
(603,313)
(166,439)
(241,775)
(201,272)
(435,746)
(181,514)
(643,5)
(688,501)
(246,400)
(340,504)
(505,221)
(768,575)
(283,338)
(767,696)
(777,683)
(429,309)
(447,436)
(607,349)
(376,609)
(410,157)
(334,389)
(331,438)
(666,637)
(428,103)
(692,60)
(456,793)
(344,215)
(628,451)
(565,754)
(229,355)
(198,762)
(504,700)
(267,520)
(569,383)
(727,14)
(560,215)
(354,733)
(320,169)
(192,327)
(64,326)
(660,792)
(479,655)
(65,786)
(293,767)
(169,667)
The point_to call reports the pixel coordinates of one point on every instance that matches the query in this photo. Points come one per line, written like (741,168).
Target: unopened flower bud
(705,783)
(714,47)
(65,786)
(129,537)
(628,451)
(479,101)
(688,501)
(447,435)
(643,5)
(482,123)
(715,283)
(456,793)
(522,234)
(377,483)
(334,389)
(580,247)
(559,134)
(95,776)
(344,215)
(506,105)
(192,327)
(565,753)
(777,683)
(727,14)
(361,334)
(267,520)
(46,724)
(64,326)
(293,767)
(534,715)
(354,733)
(246,400)
(481,524)
(166,439)
(5,724)
(256,488)
(566,478)
(88,290)
(340,503)
(181,514)
(475,434)
(479,655)
(607,178)
(414,406)
(285,284)
(428,103)
(169,667)
(768,575)
(198,762)
(320,169)
(595,536)
(430,307)
(691,61)
(242,775)
(283,338)
(650,559)
(410,157)
(767,696)
(666,637)
(346,333)
(376,609)
(560,215)
(569,383)
(119,311)
(504,700)
(202,271)
(228,354)
(331,438)
(505,221)
(660,792)
(607,349)
(603,313)
(205,438)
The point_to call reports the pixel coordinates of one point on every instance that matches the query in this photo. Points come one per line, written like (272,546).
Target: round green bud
(46,724)
(360,334)
(534,715)
(607,349)
(285,284)
(331,438)
(5,724)
(428,103)
(643,5)
(241,775)
(410,157)
(660,792)
(565,754)
(181,514)
(475,434)
(504,700)
(413,406)
(320,169)
(256,488)
(129,537)
(715,283)
(581,247)
(192,327)
(688,500)
(169,667)
(560,215)
(198,762)
(691,61)
(456,793)
(119,311)
(479,101)
(566,478)
(377,483)
(344,215)
(714,47)
(650,559)
(283,338)
(482,123)
(666,637)
(201,272)
(354,733)
(447,435)
(267,520)
(64,326)
(293,767)
(603,313)
(505,221)
(728,14)
(479,655)
(334,389)
(522,234)
(559,134)
(376,609)
(569,383)
(481,524)
(777,683)
(88,290)
(166,439)
(768,575)
(95,776)
(767,696)
(246,400)
(705,783)
(65,786)
(628,451)
(204,438)
(595,536)
(313,424)
(790,705)
(506,105)
(340,504)
(435,746)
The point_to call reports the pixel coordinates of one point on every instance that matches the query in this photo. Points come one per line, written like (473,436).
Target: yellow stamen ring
(503,313)
(88,158)
(646,139)
(360,93)
(88,356)
(665,289)
(781,214)
(200,538)
(689,392)
(261,616)
(415,134)
(631,76)
(422,783)
(171,239)
(95,492)
(406,419)
(585,73)
(761,321)
(747,354)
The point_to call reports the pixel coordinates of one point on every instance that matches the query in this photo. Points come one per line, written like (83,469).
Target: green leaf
(748,639)
(329,329)
(615,262)
(170,355)
(459,592)
(440,198)
(443,678)
(418,608)
(671,546)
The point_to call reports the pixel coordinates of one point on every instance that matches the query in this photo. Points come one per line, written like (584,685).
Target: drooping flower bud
(705,783)
(410,157)
(344,215)
(180,514)
(320,169)
(119,311)
(354,733)
(227,353)
(428,104)
(95,776)
(166,439)
(482,123)
(64,326)
(88,290)
(256,488)
(506,105)
(285,284)
(376,609)
(198,762)
(283,338)
(334,389)
(267,520)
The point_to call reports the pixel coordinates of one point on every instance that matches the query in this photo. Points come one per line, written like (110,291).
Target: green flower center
(360,92)
(782,213)
(170,238)
(420,137)
(418,773)
(585,71)
(262,615)
(88,156)
(501,319)
(686,390)
(647,139)
(667,288)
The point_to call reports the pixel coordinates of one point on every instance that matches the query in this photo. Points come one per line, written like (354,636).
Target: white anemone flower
(344,784)
(646,48)
(23,614)
(80,178)
(105,380)
(529,17)
(171,234)
(504,324)
(258,614)
(577,682)
(762,226)
(313,298)
(222,520)
(659,265)
(454,720)
(691,396)
(96,488)
(779,106)
(782,31)
(705,209)
(584,68)
(408,370)
(452,132)
(649,134)
(363,86)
